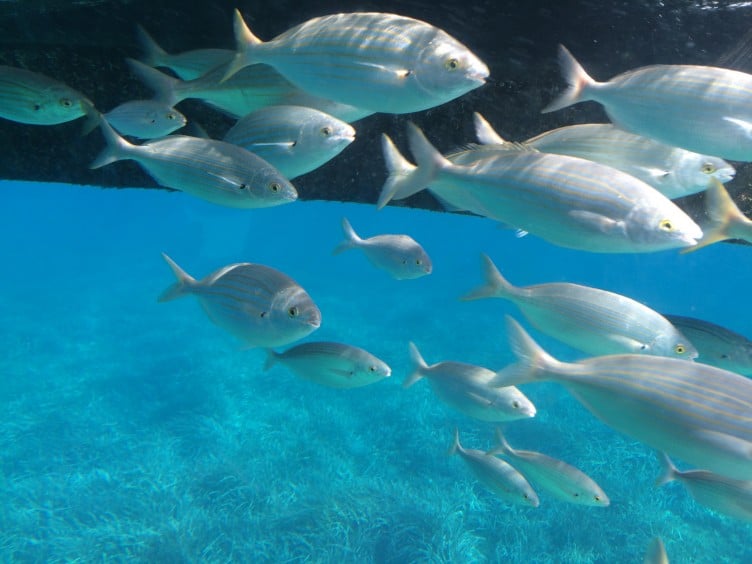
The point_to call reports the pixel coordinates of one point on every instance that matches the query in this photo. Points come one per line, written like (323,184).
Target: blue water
(138,431)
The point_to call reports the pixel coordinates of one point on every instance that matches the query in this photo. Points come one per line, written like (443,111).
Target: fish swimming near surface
(215,171)
(594,321)
(695,412)
(698,108)
(293,139)
(561,480)
(497,475)
(719,493)
(335,365)
(464,387)
(716,345)
(259,305)
(145,119)
(656,552)
(399,255)
(378,61)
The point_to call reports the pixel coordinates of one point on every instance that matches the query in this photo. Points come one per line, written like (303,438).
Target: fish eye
(452,64)
(576,494)
(171,116)
(708,168)
(152,121)
(37,107)
(515,404)
(243,186)
(66,103)
(326,131)
(597,497)
(666,225)
(263,314)
(293,311)
(275,187)
(680,349)
(372,368)
(418,261)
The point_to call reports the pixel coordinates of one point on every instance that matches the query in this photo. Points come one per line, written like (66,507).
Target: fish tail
(419,366)
(502,446)
(428,159)
(246,41)
(351,238)
(577,79)
(117,148)
(485,133)
(496,285)
(164,86)
(154,55)
(93,117)
(271,359)
(399,183)
(533,363)
(455,446)
(668,470)
(179,288)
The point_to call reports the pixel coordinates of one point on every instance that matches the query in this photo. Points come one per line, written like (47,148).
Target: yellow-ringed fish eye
(452,64)
(275,187)
(680,349)
(326,131)
(293,311)
(666,225)
(708,168)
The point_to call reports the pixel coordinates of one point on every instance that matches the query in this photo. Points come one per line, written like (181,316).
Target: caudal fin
(399,183)
(180,288)
(166,88)
(271,359)
(668,470)
(577,79)
(246,42)
(154,55)
(485,133)
(496,285)
(351,238)
(533,363)
(419,366)
(502,446)
(455,446)
(117,148)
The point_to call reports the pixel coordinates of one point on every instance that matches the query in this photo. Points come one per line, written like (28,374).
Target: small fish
(497,475)
(656,552)
(145,119)
(335,365)
(563,481)
(293,139)
(719,493)
(400,255)
(693,411)
(215,171)
(701,109)
(716,345)
(259,305)
(36,99)
(594,321)
(464,387)
(381,62)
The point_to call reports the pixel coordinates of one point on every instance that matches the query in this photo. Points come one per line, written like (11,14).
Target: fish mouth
(314,321)
(724,177)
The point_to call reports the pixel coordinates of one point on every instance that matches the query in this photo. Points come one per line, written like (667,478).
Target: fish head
(325,135)
(376,369)
(60,104)
(516,404)
(593,496)
(414,264)
(660,224)
(673,344)
(693,171)
(267,187)
(293,314)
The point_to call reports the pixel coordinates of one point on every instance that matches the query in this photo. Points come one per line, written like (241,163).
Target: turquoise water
(138,431)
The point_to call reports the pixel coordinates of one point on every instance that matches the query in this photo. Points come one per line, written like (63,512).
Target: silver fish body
(592,320)
(382,62)
(335,365)
(214,171)
(465,387)
(293,139)
(259,305)
(145,119)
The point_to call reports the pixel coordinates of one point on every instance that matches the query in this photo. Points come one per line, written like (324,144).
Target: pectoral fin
(744,126)
(596,221)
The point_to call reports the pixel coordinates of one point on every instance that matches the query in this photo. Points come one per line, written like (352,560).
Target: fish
(497,475)
(215,171)
(699,108)
(568,201)
(716,345)
(464,387)
(188,64)
(259,305)
(695,412)
(656,552)
(36,99)
(145,119)
(378,61)
(335,365)
(719,493)
(293,139)
(594,321)
(399,255)
(252,88)
(561,480)
(674,172)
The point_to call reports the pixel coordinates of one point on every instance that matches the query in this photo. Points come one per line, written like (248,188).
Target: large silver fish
(562,480)
(335,365)
(568,201)
(293,139)
(702,109)
(145,119)
(594,321)
(399,255)
(496,474)
(382,62)
(464,387)
(33,98)
(215,171)
(698,413)
(259,305)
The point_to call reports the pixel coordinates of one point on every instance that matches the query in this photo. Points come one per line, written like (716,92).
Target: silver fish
(335,365)
(496,474)
(145,119)
(719,493)
(695,412)
(656,552)
(293,139)
(563,481)
(36,99)
(399,255)
(464,387)
(382,62)
(594,321)
(701,109)
(214,171)
(259,305)
(716,345)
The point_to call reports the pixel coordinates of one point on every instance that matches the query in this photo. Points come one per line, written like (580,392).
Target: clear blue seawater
(137,431)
